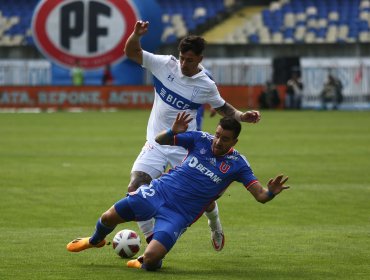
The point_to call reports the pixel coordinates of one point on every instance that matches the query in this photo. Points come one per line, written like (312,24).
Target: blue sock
(101,231)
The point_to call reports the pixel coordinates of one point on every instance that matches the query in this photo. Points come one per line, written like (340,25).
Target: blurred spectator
(77,74)
(269,97)
(200,112)
(332,92)
(107,78)
(200,116)
(294,92)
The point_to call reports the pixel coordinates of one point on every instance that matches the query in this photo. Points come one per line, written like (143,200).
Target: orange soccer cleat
(80,244)
(136,263)
(139,263)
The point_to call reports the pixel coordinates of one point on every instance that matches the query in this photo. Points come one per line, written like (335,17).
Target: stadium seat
(282,21)
(364,36)
(277,38)
(314,21)
(343,33)
(289,20)
(188,15)
(16,16)
(167,33)
(15,21)
(254,38)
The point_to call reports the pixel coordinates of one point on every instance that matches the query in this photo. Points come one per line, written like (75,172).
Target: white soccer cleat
(217,239)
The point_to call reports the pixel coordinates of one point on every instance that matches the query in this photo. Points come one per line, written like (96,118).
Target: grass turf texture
(59,172)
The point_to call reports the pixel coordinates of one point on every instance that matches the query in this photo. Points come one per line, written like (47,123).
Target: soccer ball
(126,243)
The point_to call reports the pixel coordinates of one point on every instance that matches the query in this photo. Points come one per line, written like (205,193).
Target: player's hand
(276,185)
(212,112)
(141,27)
(181,123)
(251,116)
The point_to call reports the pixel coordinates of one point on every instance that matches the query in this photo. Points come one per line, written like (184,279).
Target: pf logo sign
(91,31)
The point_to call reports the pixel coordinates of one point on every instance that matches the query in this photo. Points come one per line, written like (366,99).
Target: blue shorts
(147,203)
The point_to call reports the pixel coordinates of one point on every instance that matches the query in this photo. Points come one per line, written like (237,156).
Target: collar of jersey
(227,153)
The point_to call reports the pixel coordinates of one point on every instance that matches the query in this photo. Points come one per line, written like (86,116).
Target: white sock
(146,227)
(213,219)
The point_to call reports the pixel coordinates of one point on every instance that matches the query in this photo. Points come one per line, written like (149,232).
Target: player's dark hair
(192,43)
(232,124)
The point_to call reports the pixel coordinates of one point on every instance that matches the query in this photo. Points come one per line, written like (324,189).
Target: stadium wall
(15,98)
(240,73)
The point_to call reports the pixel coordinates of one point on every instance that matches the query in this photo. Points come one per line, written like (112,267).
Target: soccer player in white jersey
(179,85)
(178,198)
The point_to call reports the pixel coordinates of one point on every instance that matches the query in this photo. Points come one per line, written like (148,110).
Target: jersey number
(147,191)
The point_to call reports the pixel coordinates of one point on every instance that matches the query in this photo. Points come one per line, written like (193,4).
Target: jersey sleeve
(186,140)
(245,174)
(214,98)
(152,62)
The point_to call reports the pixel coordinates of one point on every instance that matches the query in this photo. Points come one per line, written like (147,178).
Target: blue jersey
(202,177)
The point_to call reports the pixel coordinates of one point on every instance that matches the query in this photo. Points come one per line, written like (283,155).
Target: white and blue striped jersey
(202,177)
(175,92)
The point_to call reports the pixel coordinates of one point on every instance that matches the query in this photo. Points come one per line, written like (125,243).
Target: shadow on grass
(226,270)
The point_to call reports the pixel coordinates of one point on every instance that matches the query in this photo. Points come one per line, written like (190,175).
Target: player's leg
(150,164)
(139,178)
(152,258)
(168,228)
(104,226)
(133,207)
(217,234)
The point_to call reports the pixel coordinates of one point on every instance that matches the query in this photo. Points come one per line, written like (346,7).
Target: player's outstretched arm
(180,125)
(133,48)
(274,187)
(227,109)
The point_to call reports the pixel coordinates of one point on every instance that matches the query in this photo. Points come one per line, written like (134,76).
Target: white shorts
(154,159)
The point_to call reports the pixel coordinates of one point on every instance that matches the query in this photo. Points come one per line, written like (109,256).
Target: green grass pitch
(60,171)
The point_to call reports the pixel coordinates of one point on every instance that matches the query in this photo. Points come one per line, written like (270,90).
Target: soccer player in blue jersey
(178,198)
(179,85)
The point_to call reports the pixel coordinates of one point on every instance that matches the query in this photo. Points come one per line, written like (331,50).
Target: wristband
(170,132)
(270,194)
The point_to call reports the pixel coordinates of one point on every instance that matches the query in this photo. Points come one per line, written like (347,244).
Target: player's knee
(108,218)
(138,178)
(105,218)
(132,187)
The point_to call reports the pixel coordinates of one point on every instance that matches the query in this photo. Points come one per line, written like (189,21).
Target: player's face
(224,140)
(189,63)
